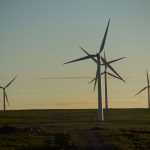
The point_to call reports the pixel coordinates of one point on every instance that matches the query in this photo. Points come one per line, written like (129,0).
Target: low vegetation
(123,129)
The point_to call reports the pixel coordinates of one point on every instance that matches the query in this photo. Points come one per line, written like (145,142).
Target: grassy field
(123,129)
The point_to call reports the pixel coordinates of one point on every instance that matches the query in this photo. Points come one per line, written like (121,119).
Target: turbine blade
(104,38)
(111,68)
(147,78)
(116,60)
(79,59)
(88,54)
(6,98)
(104,55)
(102,64)
(92,80)
(95,79)
(1,87)
(115,76)
(95,84)
(10,81)
(141,90)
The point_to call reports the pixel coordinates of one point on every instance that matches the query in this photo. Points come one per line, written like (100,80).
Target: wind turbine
(105,73)
(148,88)
(98,62)
(5,98)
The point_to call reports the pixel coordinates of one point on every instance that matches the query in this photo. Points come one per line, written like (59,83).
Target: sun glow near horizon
(69,93)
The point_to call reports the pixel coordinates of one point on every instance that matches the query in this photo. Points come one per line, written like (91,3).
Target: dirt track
(90,140)
(93,141)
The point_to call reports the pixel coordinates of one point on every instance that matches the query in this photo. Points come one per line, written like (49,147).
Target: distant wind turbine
(98,62)
(5,98)
(105,73)
(148,88)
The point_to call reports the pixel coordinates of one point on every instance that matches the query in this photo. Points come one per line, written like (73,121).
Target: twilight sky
(37,36)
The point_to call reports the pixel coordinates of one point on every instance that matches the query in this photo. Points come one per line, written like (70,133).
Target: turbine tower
(5,97)
(98,62)
(105,73)
(148,89)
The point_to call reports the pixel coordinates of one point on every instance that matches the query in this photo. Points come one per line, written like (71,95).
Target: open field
(123,129)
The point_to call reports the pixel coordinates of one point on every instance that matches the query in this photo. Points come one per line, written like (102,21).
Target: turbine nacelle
(98,55)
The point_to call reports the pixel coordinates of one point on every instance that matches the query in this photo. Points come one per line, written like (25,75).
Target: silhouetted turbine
(105,73)
(98,62)
(5,97)
(148,88)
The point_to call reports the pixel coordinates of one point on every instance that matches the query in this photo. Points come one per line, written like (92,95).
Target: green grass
(123,129)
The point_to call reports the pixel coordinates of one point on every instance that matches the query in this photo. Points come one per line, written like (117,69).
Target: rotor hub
(98,55)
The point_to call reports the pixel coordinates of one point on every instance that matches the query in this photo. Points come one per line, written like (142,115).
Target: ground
(123,129)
